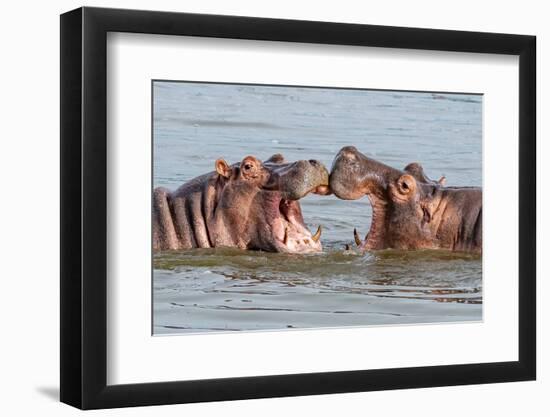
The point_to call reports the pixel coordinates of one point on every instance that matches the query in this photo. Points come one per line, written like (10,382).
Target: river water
(232,290)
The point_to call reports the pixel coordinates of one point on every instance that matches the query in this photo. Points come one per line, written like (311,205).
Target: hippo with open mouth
(247,205)
(409,211)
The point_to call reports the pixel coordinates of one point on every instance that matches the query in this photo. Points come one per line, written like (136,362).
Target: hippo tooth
(285,240)
(357,238)
(317,234)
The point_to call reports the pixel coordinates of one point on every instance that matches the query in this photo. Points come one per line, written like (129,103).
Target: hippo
(409,210)
(248,205)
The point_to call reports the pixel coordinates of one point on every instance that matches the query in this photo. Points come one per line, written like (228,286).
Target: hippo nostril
(349,149)
(313,162)
(348,154)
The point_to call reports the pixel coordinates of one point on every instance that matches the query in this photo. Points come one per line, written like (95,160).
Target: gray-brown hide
(409,211)
(248,205)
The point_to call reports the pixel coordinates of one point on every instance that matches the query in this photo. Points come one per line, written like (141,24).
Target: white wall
(29,100)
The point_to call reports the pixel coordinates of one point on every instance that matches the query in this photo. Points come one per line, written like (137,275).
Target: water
(233,290)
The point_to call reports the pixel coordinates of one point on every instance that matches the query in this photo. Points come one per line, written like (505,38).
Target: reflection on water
(229,289)
(225,289)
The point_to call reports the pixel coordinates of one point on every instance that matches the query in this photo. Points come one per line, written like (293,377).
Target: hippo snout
(343,174)
(300,178)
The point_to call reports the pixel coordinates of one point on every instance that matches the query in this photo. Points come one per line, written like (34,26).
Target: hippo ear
(442,180)
(223,168)
(276,158)
(405,185)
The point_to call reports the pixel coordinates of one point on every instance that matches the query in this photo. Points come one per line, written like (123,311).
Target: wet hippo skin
(409,210)
(248,205)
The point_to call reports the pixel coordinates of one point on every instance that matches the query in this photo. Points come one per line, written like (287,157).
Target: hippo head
(404,203)
(257,204)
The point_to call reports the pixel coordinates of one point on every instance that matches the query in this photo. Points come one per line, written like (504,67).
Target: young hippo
(409,211)
(247,205)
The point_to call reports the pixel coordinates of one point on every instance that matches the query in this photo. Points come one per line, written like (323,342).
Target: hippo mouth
(374,239)
(290,232)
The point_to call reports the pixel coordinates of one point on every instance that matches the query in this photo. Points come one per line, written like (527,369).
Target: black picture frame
(84,207)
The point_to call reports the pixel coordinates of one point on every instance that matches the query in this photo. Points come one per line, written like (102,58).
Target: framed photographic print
(258,207)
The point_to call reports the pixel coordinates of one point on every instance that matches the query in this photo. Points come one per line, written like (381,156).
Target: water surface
(233,290)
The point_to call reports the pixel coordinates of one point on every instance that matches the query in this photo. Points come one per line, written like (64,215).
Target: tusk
(317,234)
(285,239)
(357,238)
